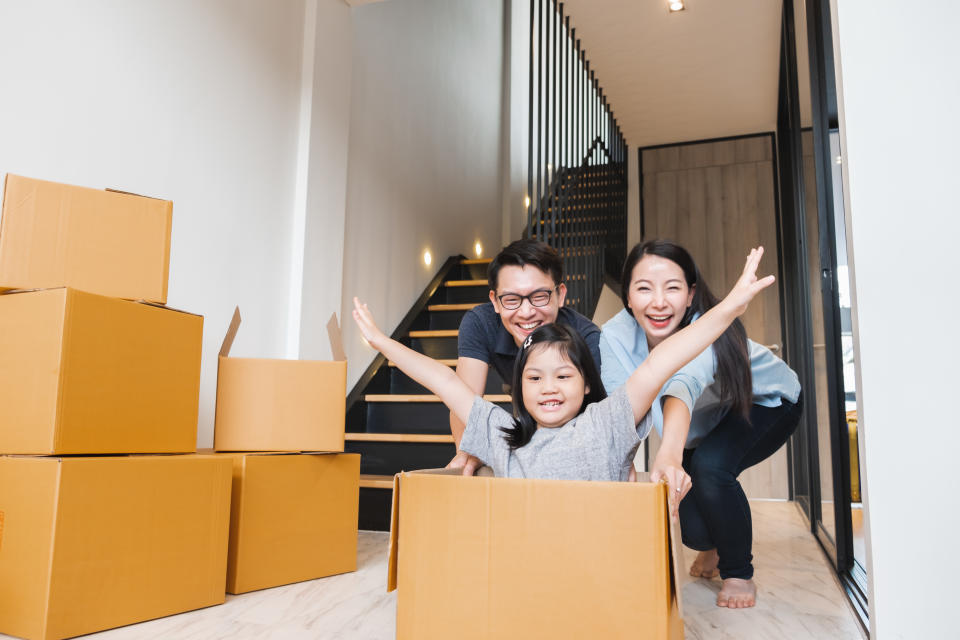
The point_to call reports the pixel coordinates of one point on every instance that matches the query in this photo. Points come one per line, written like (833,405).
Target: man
(526,291)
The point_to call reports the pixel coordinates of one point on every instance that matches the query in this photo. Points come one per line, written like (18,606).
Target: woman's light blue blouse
(623,346)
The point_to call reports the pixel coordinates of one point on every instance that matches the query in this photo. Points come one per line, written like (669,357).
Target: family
(675,359)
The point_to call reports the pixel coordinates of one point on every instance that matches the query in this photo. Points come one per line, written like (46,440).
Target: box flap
(131,193)
(394,535)
(231,333)
(336,338)
(678,577)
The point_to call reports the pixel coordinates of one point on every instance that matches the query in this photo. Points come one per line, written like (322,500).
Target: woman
(733,406)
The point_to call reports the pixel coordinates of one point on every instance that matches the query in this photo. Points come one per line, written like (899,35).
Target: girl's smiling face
(658,297)
(553,388)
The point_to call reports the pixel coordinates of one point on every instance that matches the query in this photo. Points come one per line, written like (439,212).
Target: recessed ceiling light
(676,5)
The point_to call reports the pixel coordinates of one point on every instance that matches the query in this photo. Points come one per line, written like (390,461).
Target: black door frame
(797,330)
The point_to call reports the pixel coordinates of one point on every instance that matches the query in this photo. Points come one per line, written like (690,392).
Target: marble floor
(798,598)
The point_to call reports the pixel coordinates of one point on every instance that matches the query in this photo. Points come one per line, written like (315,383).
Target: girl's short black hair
(571,345)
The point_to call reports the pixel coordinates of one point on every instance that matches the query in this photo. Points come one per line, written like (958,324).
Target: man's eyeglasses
(538,298)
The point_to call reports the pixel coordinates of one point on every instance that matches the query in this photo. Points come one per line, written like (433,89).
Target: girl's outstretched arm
(673,353)
(434,376)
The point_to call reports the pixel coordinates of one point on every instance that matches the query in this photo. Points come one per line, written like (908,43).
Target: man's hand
(466,462)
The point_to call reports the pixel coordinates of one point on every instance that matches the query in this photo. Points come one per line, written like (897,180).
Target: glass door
(827,458)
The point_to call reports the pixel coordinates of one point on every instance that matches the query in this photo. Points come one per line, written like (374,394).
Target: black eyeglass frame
(528,298)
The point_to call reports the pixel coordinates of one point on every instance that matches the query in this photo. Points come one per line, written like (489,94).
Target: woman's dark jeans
(715,513)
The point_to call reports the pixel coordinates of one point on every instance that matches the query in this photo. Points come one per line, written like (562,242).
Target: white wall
(424,151)
(900,98)
(323,168)
(194,101)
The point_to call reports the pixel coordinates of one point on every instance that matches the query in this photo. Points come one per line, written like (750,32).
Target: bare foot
(737,594)
(705,566)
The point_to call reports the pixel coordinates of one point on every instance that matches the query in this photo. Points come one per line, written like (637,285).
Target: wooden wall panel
(717,199)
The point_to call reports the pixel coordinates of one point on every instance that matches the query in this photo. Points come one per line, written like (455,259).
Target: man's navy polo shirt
(483,337)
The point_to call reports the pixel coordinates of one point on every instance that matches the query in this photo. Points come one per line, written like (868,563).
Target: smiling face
(658,297)
(523,281)
(553,388)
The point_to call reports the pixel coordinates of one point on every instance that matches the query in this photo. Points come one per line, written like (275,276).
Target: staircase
(394,423)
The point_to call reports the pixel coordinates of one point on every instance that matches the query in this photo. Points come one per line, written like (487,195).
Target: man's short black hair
(521,253)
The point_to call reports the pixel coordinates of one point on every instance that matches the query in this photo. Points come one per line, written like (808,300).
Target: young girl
(731,407)
(561,432)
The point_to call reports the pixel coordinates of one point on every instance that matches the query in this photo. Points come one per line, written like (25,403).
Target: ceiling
(708,71)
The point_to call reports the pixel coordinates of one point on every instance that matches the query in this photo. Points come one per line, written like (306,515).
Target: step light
(478,249)
(427,258)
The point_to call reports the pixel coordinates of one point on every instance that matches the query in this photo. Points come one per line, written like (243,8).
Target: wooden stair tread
(399,437)
(465,283)
(464,306)
(450,362)
(434,333)
(476,261)
(368,481)
(422,397)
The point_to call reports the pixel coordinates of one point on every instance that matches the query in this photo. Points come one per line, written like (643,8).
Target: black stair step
(475,269)
(388,458)
(408,417)
(402,383)
(375,505)
(438,347)
(476,291)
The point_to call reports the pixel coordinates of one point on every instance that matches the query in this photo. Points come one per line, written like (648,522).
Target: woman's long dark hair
(733,378)
(571,345)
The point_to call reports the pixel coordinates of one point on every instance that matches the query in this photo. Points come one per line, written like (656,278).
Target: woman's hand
(364,320)
(748,285)
(678,482)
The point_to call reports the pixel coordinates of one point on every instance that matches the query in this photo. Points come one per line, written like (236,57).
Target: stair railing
(577,158)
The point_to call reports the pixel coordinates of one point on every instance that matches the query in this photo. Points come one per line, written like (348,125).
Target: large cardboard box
(293,517)
(88,374)
(107,242)
(93,543)
(508,558)
(280,405)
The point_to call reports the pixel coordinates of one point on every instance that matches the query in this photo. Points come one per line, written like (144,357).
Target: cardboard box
(87,374)
(107,242)
(280,405)
(509,558)
(293,517)
(94,543)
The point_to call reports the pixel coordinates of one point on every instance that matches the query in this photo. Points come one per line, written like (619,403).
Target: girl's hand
(678,482)
(748,285)
(364,320)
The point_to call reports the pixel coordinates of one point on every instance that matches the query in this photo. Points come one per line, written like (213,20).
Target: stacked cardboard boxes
(91,363)
(295,494)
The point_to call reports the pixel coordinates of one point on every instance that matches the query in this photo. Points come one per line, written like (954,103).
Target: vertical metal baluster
(564,135)
(529,195)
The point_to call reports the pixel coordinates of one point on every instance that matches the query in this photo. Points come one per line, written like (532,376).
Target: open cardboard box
(88,374)
(280,405)
(484,557)
(293,517)
(91,543)
(107,242)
